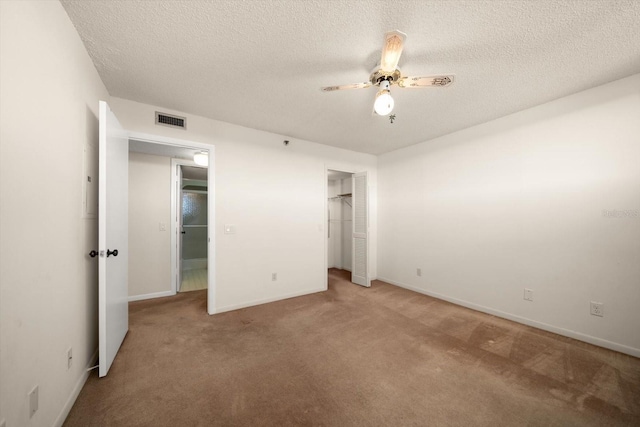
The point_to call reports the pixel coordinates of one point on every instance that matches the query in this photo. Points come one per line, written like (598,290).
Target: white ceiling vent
(171,120)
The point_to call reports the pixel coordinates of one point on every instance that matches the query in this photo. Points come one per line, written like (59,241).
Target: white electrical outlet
(69,358)
(528,294)
(597,309)
(419,272)
(33,401)
(274,277)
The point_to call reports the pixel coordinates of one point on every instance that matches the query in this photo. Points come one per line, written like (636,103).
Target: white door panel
(180,225)
(113,187)
(360,236)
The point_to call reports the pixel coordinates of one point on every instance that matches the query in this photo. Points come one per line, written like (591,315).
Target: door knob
(93,254)
(113,252)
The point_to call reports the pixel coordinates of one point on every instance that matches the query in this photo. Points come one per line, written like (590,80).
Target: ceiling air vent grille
(171,120)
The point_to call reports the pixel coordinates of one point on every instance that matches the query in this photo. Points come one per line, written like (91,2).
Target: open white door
(360,236)
(113,187)
(180,228)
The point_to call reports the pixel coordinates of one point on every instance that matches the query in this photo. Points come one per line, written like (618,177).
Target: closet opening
(339,223)
(347,249)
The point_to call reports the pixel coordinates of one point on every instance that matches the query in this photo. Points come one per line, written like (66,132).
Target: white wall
(275,195)
(48,284)
(518,202)
(149,206)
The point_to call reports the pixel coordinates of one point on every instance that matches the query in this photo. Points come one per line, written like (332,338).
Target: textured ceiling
(261,64)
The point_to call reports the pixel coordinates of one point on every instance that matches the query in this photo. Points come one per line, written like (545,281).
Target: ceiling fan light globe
(383,104)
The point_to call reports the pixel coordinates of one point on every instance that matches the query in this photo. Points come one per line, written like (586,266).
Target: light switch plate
(229,229)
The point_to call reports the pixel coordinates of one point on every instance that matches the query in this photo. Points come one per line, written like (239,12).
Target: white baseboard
(529,322)
(266,300)
(150,296)
(76,391)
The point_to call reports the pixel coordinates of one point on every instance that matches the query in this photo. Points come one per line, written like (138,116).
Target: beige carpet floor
(352,356)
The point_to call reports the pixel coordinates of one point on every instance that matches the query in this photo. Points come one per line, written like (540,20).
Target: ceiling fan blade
(343,87)
(417,82)
(391,51)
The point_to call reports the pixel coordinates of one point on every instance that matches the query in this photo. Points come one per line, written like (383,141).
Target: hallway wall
(149,209)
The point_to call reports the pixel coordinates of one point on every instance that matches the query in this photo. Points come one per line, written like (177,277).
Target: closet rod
(342,197)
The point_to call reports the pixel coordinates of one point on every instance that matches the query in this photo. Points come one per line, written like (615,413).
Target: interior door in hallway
(113,188)
(180,229)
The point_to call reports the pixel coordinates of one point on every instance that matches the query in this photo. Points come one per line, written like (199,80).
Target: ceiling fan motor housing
(378,75)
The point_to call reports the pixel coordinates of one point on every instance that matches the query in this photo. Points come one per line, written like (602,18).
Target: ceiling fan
(387,74)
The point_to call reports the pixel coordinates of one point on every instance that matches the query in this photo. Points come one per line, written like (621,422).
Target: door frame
(211,276)
(327,168)
(175,211)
